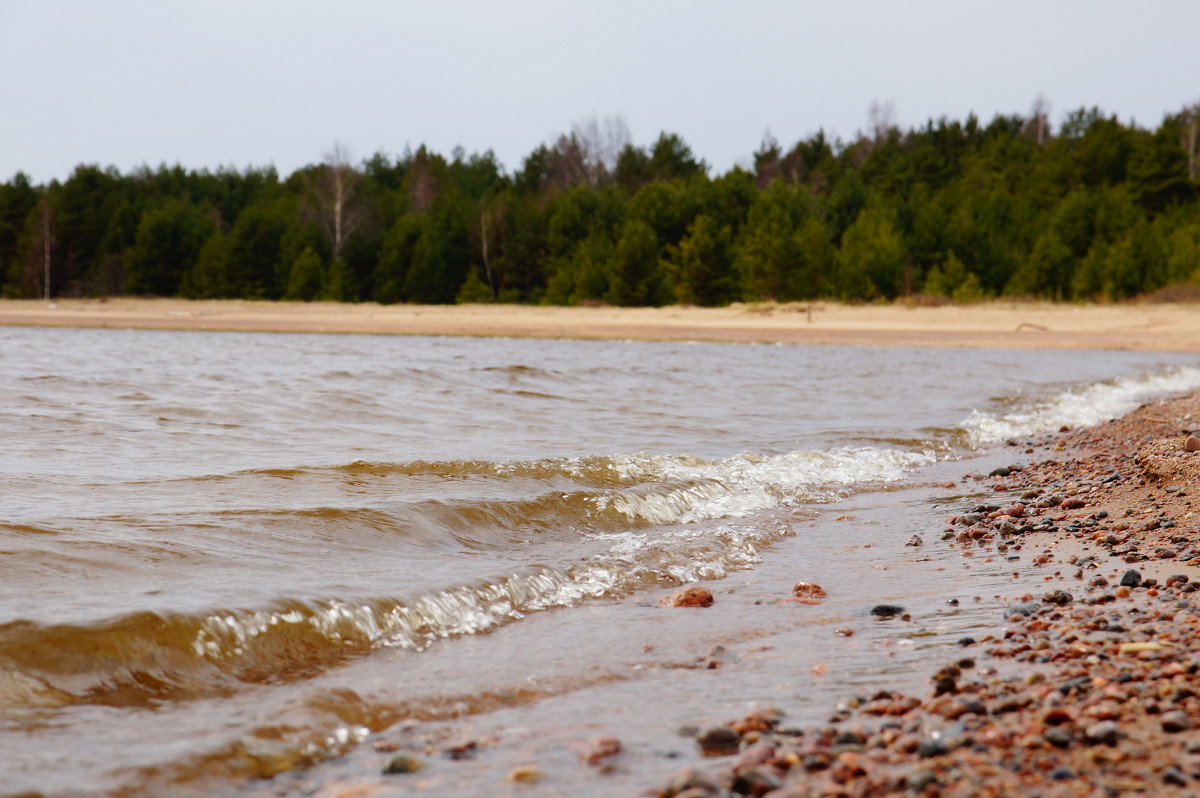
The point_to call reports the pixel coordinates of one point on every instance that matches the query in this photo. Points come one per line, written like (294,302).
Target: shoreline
(1143,327)
(1092,689)
(1065,683)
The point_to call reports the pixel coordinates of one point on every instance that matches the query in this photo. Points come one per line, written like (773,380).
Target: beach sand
(1151,327)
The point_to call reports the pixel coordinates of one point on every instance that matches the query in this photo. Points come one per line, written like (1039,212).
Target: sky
(250,83)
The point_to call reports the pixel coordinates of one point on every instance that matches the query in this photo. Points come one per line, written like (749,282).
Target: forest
(1093,210)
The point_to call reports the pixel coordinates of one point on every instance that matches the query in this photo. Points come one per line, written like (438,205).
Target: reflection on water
(204,530)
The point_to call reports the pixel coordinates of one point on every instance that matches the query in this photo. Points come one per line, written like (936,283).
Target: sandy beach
(1150,327)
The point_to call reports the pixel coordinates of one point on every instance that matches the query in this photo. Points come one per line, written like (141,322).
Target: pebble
(756,781)
(1175,721)
(887,610)
(809,590)
(401,762)
(1059,737)
(688,597)
(1131,578)
(600,749)
(1103,732)
(1192,444)
(718,741)
(690,779)
(526,774)
(1060,597)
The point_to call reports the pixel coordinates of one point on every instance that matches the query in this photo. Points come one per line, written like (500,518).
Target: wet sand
(1088,686)
(1152,327)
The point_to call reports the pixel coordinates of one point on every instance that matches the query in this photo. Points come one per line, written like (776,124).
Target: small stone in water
(688,597)
(400,762)
(718,740)
(809,590)
(602,748)
(887,610)
(526,774)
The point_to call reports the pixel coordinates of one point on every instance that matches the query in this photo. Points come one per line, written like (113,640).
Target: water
(220,549)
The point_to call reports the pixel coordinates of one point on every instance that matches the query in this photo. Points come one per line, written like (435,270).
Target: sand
(1153,327)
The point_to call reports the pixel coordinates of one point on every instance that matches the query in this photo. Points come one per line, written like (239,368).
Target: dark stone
(887,610)
(932,747)
(1022,609)
(966,641)
(690,779)
(718,741)
(946,680)
(1174,775)
(1131,578)
(1059,737)
(847,737)
(1061,774)
(921,778)
(1080,684)
(975,706)
(1002,471)
(401,762)
(756,781)
(1103,732)
(1059,597)
(1175,721)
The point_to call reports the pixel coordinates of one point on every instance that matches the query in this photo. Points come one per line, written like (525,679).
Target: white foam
(686,490)
(1084,407)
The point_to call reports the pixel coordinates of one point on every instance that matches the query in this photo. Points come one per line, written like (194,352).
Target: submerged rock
(401,762)
(808,590)
(887,610)
(688,597)
(718,741)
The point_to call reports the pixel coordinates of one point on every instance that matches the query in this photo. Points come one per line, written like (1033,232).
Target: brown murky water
(234,556)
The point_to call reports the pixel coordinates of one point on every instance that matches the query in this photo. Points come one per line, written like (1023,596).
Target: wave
(1082,407)
(603,526)
(145,658)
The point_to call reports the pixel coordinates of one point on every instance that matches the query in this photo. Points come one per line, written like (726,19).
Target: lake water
(231,555)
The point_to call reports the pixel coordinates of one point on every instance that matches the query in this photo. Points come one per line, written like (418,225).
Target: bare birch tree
(341,214)
(1189,127)
(1038,126)
(881,117)
(588,154)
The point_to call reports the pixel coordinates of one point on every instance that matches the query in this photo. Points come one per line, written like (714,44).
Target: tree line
(1096,209)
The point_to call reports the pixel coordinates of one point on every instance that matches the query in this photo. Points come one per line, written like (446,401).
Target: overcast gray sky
(212,83)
